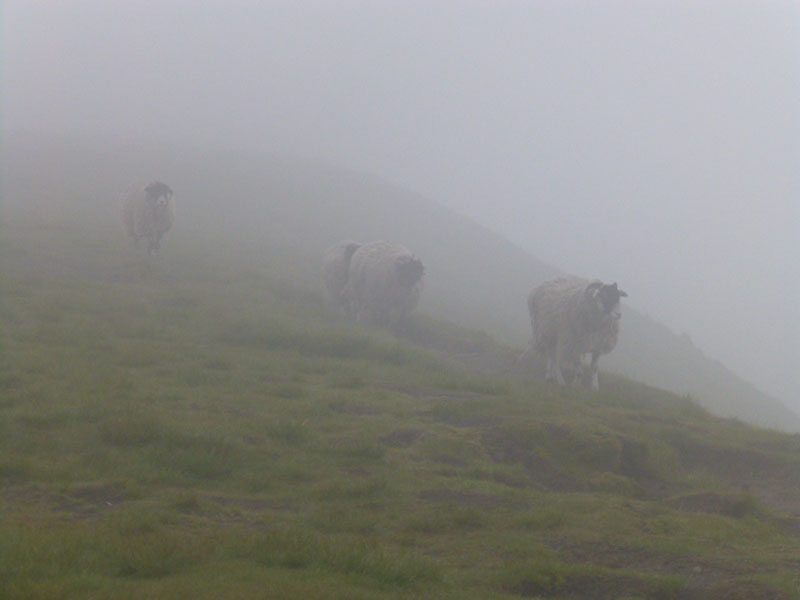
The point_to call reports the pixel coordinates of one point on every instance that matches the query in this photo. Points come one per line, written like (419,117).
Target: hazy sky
(652,143)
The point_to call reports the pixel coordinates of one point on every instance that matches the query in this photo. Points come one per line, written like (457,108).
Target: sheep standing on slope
(384,283)
(148,212)
(335,270)
(573,317)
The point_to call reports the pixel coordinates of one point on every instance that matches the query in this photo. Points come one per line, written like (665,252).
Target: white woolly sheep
(384,283)
(573,317)
(335,270)
(148,212)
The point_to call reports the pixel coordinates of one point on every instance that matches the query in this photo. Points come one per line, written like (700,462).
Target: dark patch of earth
(623,585)
(465,498)
(694,570)
(713,503)
(245,503)
(83,502)
(541,470)
(401,438)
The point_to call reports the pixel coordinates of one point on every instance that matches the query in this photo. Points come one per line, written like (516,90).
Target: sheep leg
(559,375)
(365,314)
(577,374)
(548,373)
(592,368)
(558,356)
(345,306)
(525,356)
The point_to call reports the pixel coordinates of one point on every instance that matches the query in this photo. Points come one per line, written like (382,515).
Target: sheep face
(158,197)
(160,206)
(409,271)
(606,297)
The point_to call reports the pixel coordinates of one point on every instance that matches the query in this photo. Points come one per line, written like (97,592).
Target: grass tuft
(288,432)
(294,549)
(130,430)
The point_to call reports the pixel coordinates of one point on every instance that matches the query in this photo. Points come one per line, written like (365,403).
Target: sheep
(384,283)
(573,317)
(335,268)
(148,212)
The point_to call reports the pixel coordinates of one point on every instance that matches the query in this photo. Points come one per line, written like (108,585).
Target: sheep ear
(623,294)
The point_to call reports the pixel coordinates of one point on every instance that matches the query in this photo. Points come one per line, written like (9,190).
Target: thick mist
(656,145)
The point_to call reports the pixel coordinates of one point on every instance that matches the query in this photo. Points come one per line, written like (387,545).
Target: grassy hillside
(199,427)
(475,277)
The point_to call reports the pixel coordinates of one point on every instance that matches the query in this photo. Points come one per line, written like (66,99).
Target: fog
(657,144)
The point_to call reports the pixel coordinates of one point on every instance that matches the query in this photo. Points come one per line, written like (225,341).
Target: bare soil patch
(728,505)
(83,502)
(352,408)
(742,590)
(696,571)
(245,503)
(542,471)
(401,438)
(471,420)
(594,587)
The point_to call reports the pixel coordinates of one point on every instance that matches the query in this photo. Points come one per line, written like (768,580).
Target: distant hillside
(475,277)
(200,427)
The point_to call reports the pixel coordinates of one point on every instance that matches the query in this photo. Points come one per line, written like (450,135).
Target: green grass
(202,427)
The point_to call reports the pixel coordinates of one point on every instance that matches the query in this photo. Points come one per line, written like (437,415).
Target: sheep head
(606,298)
(158,195)
(409,270)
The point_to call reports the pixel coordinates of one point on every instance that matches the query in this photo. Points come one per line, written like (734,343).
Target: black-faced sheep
(572,318)
(384,283)
(148,212)
(335,270)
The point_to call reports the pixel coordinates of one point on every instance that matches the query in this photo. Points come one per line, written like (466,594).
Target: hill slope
(199,426)
(475,277)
